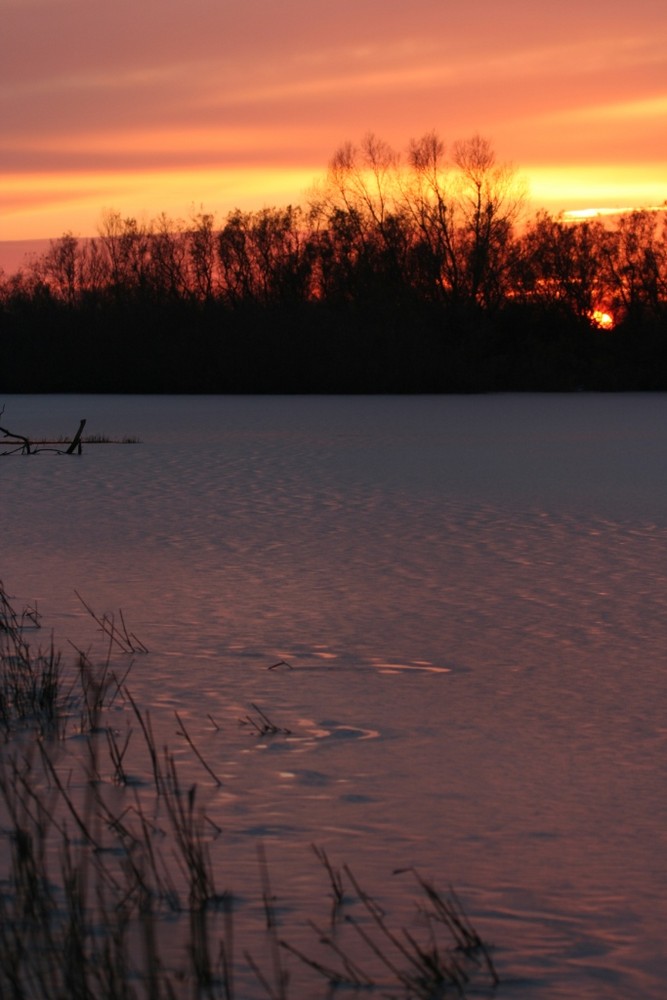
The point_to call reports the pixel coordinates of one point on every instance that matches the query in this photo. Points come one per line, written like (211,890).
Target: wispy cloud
(646,108)
(162,87)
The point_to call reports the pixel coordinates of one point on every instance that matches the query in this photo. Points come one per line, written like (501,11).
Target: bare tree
(561,265)
(489,200)
(201,248)
(59,268)
(428,204)
(127,244)
(463,211)
(167,265)
(363,181)
(635,262)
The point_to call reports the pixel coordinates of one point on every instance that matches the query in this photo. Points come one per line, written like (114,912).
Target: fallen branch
(27,447)
(24,448)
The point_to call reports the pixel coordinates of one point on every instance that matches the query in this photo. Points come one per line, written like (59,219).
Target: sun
(603,320)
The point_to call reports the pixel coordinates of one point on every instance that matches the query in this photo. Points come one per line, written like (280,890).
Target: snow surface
(471,594)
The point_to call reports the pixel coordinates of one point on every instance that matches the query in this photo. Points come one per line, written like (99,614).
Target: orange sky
(173,105)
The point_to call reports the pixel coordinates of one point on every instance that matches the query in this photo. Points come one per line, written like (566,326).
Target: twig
(125,640)
(265,727)
(195,750)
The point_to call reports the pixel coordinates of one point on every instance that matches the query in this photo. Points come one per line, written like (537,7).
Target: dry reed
(95,871)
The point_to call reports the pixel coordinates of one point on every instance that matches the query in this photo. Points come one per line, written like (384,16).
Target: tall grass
(31,691)
(96,872)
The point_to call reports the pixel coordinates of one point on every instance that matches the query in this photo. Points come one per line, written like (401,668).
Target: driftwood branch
(26,447)
(76,440)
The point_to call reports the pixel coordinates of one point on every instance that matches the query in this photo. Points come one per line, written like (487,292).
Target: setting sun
(603,320)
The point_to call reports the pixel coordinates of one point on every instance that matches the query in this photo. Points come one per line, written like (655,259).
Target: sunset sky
(177,105)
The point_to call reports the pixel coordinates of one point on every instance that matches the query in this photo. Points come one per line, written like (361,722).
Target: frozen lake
(472,595)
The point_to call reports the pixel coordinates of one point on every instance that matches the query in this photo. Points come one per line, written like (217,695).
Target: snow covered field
(467,597)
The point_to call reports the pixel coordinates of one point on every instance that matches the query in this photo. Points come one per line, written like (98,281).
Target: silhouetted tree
(414,274)
(561,266)
(165,265)
(60,268)
(201,249)
(489,198)
(127,245)
(265,256)
(634,264)
(429,208)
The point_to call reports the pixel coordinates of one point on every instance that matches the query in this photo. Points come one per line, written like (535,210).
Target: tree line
(417,273)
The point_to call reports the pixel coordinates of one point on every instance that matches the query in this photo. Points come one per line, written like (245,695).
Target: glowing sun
(603,320)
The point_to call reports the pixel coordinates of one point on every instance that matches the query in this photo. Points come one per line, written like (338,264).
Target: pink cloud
(86,86)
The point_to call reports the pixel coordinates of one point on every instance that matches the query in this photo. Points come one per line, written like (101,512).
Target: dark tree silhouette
(414,274)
